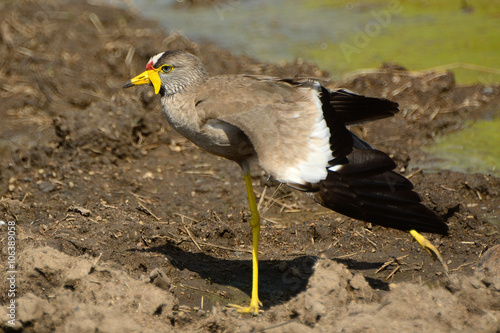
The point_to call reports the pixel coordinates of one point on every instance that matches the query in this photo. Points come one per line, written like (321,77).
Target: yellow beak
(149,76)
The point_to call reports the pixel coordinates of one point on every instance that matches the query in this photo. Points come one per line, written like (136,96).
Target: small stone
(492,283)
(160,279)
(82,211)
(46,187)
(295,271)
(283,266)
(489,265)
(476,283)
(358,282)
(148,175)
(453,283)
(318,309)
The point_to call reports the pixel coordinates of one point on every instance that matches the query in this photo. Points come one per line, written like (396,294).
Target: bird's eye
(166,68)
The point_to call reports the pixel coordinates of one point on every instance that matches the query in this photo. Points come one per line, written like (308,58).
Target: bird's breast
(213,135)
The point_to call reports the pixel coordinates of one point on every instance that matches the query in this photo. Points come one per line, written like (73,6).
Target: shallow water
(342,37)
(273,31)
(474,149)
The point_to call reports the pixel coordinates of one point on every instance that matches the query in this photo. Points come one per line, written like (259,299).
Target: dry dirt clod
(80,210)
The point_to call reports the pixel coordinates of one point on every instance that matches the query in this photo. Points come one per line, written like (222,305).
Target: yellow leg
(255,304)
(429,247)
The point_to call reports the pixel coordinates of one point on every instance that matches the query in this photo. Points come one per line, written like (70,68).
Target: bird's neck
(184,82)
(179,108)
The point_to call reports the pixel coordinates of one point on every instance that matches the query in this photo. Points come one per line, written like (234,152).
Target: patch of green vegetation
(489,7)
(418,35)
(474,149)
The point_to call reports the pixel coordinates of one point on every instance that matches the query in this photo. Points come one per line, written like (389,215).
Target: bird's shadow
(279,280)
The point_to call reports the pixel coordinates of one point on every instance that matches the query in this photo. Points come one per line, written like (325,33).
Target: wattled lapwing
(296,130)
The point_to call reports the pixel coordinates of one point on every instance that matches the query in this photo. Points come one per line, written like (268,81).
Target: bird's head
(170,71)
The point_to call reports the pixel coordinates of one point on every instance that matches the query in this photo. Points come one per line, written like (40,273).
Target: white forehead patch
(154,60)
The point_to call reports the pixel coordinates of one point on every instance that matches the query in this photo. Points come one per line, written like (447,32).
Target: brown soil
(124,226)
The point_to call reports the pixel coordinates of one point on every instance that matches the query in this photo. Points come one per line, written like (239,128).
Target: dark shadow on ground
(356,265)
(279,280)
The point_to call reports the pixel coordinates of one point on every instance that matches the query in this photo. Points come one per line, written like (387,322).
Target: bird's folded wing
(296,126)
(285,124)
(291,141)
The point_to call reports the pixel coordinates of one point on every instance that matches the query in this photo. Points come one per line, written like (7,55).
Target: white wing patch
(336,167)
(312,168)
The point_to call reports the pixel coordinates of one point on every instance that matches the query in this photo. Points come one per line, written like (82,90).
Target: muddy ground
(122,225)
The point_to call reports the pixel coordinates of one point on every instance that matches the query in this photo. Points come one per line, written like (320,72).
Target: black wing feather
(354,109)
(363,185)
(367,189)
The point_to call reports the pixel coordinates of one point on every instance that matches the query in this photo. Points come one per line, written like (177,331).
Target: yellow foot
(429,247)
(253,309)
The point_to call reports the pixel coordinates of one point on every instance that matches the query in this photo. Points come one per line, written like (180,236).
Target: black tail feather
(367,189)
